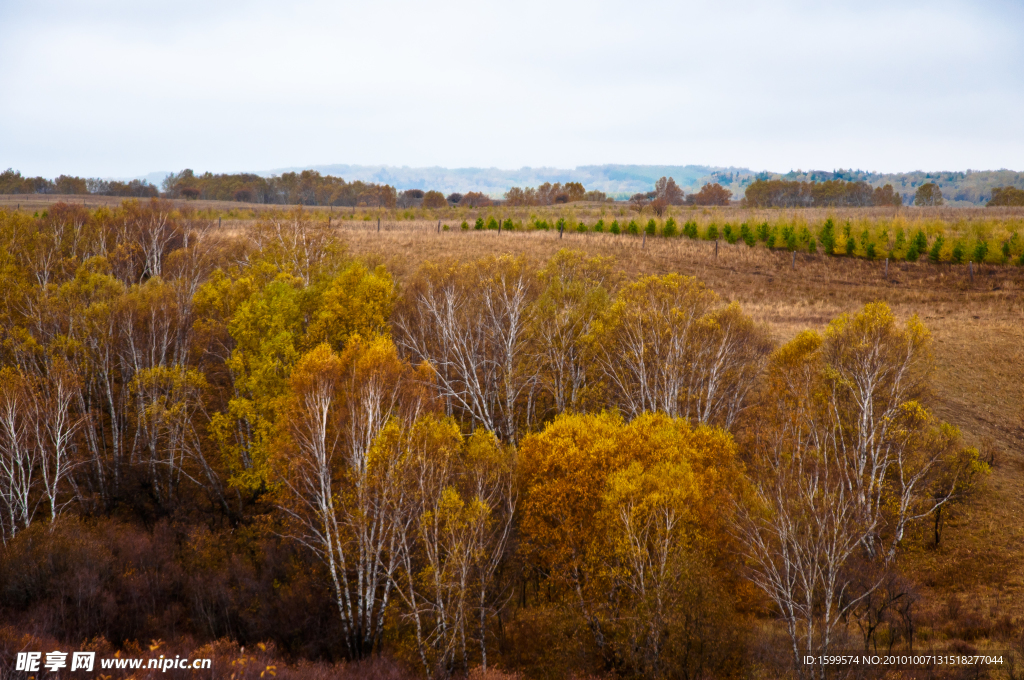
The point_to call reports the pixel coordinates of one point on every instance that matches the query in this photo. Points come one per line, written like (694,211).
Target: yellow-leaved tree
(576,291)
(260,321)
(629,522)
(338,492)
(453,523)
(845,457)
(666,344)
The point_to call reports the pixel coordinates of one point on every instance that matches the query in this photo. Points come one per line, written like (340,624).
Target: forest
(295,457)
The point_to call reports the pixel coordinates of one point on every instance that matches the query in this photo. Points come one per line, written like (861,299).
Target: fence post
(716,248)
(970,268)
(794,259)
(886,267)
(439,226)
(644,244)
(378,225)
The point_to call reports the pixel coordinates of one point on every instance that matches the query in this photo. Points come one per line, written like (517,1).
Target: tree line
(551,194)
(11,182)
(457,470)
(311,188)
(779,193)
(1006,196)
(308,187)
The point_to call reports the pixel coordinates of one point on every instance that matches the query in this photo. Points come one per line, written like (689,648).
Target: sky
(120,88)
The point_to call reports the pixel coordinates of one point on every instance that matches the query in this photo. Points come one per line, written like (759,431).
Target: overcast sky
(119,88)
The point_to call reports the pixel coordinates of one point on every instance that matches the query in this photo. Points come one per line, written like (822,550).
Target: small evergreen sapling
(957,256)
(980,251)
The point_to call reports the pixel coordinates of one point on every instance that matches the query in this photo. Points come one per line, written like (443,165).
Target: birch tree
(666,345)
(613,512)
(454,524)
(54,423)
(470,324)
(576,291)
(845,458)
(339,495)
(19,456)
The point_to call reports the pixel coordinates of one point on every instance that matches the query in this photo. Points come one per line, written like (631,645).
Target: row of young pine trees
(633,453)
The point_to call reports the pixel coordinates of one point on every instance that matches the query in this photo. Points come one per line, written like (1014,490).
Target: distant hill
(616,180)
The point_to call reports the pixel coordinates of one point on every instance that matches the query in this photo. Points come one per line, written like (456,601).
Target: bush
(980,251)
(492,224)
(851,245)
(921,241)
(957,256)
(763,231)
(935,253)
(670,229)
(652,227)
(805,235)
(560,224)
(828,237)
(747,235)
(615,228)
(870,250)
(479,224)
(731,235)
(581,228)
(913,253)
(771,238)
(633,228)
(464,225)
(712,234)
(789,237)
(690,229)
(599,226)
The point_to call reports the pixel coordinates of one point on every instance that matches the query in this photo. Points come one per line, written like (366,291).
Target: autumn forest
(273,447)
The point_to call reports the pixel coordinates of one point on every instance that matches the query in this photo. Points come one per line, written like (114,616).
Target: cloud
(118,88)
